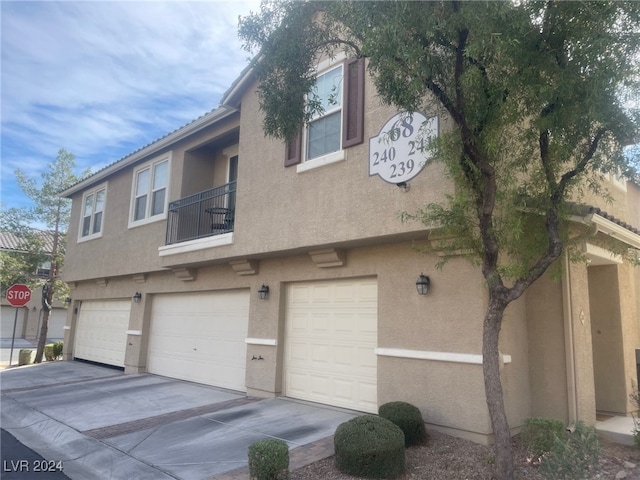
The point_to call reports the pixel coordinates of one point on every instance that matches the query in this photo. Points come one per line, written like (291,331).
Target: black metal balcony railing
(203,214)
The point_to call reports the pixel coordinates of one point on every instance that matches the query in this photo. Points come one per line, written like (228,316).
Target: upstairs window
(93,203)
(324,131)
(340,91)
(149,200)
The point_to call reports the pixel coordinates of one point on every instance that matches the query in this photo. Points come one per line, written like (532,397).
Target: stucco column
(70,331)
(135,360)
(578,342)
(629,281)
(265,341)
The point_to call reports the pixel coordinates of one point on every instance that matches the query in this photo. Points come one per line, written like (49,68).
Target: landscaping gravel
(450,458)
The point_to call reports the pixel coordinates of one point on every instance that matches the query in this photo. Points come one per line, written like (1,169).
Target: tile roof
(590,209)
(14,243)
(153,147)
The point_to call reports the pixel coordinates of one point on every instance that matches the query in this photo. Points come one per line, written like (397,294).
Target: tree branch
(582,164)
(545,159)
(339,41)
(554,249)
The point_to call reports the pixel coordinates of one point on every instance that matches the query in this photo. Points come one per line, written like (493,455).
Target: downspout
(569,344)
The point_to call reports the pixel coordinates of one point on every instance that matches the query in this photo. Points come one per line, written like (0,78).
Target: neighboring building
(27,322)
(197,224)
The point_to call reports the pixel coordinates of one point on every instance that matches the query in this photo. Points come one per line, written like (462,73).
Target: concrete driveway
(103,424)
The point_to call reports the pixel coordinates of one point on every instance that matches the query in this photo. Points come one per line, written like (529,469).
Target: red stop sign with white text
(18,295)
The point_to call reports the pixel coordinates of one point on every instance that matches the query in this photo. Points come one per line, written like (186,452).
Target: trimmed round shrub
(269,460)
(369,446)
(408,418)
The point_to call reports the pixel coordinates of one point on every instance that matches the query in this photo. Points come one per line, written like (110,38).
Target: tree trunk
(493,390)
(47,296)
(47,300)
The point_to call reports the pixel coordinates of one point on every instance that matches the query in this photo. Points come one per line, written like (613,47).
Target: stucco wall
(615,335)
(514,341)
(122,250)
(547,354)
(277,209)
(608,354)
(448,319)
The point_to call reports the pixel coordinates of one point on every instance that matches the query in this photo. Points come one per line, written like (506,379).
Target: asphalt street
(21,463)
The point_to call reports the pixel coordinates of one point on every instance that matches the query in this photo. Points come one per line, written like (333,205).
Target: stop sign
(18,295)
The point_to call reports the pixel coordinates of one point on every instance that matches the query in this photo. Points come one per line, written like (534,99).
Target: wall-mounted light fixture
(404,186)
(422,284)
(67,301)
(263,292)
(137,297)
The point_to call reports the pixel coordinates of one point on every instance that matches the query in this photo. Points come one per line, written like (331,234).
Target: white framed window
(149,197)
(340,91)
(92,216)
(323,133)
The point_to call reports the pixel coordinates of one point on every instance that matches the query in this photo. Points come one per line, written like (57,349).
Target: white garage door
(57,320)
(331,334)
(200,337)
(101,333)
(8,318)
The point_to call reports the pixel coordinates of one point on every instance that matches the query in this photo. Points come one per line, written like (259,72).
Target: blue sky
(102,79)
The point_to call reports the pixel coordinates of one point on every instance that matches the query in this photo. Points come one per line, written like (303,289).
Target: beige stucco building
(171,248)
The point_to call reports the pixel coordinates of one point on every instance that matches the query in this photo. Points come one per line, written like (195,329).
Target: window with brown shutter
(352,104)
(353,111)
(293,151)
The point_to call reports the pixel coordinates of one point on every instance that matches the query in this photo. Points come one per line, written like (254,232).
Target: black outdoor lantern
(263,292)
(422,284)
(137,297)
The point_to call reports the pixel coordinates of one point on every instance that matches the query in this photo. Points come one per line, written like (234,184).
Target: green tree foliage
(20,264)
(537,97)
(51,211)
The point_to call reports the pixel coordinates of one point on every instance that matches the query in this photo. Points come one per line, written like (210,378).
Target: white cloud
(98,78)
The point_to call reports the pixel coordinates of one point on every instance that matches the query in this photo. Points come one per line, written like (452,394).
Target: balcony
(203,214)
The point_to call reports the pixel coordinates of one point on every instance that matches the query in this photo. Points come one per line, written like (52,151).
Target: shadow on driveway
(103,424)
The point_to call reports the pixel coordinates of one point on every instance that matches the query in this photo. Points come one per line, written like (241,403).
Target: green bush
(269,460)
(52,351)
(57,349)
(635,399)
(538,434)
(576,458)
(369,446)
(408,418)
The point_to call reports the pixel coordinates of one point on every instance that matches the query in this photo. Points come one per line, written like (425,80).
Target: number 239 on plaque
(401,150)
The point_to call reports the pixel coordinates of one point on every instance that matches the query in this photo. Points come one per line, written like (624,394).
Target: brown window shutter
(353,106)
(293,150)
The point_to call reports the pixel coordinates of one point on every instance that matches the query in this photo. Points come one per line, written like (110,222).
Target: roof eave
(233,96)
(205,121)
(611,229)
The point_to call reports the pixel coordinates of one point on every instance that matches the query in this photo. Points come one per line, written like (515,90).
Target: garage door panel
(344,390)
(205,333)
(331,334)
(101,332)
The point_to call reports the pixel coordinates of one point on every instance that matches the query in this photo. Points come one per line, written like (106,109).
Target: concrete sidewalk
(103,424)
(617,429)
(18,344)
